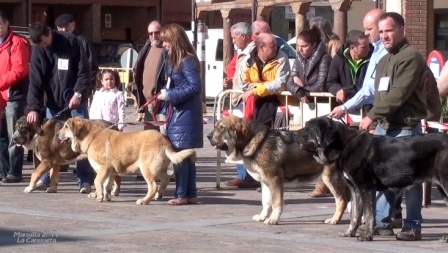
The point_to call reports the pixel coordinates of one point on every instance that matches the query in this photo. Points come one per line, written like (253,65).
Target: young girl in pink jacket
(108,102)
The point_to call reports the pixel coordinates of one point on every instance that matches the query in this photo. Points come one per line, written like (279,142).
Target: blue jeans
(386,201)
(11,154)
(185,173)
(84,171)
(242,173)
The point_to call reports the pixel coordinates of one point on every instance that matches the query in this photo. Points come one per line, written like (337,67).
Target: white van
(214,65)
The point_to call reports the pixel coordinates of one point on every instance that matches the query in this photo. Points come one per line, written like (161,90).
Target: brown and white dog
(50,152)
(273,158)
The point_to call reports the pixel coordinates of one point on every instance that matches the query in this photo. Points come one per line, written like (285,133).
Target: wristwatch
(78,94)
(344,109)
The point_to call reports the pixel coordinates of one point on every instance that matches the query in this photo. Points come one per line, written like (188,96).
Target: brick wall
(419,27)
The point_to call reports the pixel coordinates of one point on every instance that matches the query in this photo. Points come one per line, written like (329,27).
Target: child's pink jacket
(108,105)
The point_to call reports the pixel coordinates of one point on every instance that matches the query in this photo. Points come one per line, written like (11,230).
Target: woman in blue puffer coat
(184,128)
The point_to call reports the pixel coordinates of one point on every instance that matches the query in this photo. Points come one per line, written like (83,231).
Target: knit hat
(63,19)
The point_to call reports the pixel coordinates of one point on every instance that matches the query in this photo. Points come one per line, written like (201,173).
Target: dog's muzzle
(220,146)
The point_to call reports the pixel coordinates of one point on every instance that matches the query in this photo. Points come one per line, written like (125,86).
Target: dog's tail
(178,157)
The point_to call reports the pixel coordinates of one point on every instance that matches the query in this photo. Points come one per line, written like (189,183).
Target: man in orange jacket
(14,81)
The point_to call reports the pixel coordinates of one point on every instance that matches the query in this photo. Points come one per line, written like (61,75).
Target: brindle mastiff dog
(376,163)
(51,152)
(273,158)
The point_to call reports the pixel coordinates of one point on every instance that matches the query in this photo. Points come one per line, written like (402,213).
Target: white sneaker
(85,188)
(41,185)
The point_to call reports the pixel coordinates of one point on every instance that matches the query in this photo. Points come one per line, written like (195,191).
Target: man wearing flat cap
(66,23)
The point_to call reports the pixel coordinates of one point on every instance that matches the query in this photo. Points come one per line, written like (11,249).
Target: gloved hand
(163,95)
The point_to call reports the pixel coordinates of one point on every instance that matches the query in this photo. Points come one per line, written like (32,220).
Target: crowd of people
(376,70)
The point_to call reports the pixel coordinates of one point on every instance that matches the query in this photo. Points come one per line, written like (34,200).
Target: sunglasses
(153,33)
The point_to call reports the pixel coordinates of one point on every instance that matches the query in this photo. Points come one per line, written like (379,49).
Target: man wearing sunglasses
(149,74)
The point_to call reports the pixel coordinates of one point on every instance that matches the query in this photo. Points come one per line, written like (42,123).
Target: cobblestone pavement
(70,222)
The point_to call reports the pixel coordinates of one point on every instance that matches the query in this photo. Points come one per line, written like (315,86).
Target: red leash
(157,104)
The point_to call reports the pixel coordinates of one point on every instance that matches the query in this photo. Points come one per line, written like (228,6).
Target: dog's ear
(75,125)
(326,134)
(224,131)
(240,130)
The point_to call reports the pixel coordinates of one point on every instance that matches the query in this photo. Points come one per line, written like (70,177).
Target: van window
(219,50)
(286,48)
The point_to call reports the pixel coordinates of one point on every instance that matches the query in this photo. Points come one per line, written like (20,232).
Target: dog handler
(399,107)
(60,72)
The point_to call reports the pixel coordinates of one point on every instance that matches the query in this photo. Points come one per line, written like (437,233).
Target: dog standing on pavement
(113,153)
(50,151)
(376,163)
(273,158)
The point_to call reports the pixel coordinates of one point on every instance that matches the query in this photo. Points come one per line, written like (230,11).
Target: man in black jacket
(349,65)
(66,23)
(60,82)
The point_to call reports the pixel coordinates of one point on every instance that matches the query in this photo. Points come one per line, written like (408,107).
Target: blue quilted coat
(185,127)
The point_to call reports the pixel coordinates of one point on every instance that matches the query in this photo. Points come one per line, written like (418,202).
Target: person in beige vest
(148,71)
(149,74)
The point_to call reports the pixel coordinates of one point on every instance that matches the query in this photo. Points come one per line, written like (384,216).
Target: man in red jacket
(14,80)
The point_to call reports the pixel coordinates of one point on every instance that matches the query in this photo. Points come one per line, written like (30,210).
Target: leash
(60,113)
(157,105)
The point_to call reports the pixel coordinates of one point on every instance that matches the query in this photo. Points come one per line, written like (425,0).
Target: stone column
(227,39)
(96,22)
(263,12)
(340,9)
(300,9)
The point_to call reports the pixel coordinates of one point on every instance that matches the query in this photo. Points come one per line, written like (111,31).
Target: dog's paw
(115,192)
(158,196)
(258,217)
(107,197)
(28,189)
(331,221)
(365,237)
(347,234)
(51,190)
(92,195)
(270,221)
(141,202)
(444,239)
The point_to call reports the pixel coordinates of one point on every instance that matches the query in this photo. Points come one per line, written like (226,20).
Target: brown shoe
(320,190)
(242,183)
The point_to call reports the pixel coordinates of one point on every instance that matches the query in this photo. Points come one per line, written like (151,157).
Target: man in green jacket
(399,107)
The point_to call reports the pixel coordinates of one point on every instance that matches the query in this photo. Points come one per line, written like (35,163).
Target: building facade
(102,19)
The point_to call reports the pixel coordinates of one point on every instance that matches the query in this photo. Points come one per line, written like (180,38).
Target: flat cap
(63,19)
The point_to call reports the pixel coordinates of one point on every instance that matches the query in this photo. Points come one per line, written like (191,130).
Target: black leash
(60,112)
